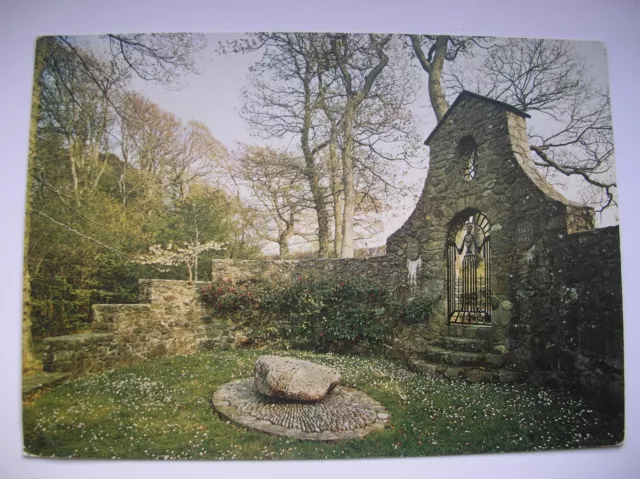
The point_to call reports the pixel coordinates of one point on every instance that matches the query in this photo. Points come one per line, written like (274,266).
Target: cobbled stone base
(345,413)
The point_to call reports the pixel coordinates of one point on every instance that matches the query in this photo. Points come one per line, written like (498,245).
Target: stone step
(471,345)
(469,331)
(469,373)
(463,358)
(42,380)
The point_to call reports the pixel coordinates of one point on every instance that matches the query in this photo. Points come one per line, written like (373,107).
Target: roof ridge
(464,93)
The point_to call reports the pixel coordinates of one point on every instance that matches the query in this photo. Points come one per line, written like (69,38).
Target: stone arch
(467,151)
(468,257)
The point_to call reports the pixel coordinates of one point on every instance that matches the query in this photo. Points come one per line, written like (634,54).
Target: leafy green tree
(73,96)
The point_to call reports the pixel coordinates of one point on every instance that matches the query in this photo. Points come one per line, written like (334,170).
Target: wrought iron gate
(468,269)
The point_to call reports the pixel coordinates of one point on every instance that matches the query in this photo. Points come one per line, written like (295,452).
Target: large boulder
(294,379)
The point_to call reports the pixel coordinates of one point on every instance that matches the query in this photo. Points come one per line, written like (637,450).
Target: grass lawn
(161,410)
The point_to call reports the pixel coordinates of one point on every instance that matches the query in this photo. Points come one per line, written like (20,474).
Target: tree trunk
(336,193)
(436,92)
(320,205)
(74,171)
(195,222)
(347,249)
(29,363)
(283,240)
(311,173)
(433,67)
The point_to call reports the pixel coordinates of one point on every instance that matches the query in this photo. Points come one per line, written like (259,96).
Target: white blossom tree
(171,256)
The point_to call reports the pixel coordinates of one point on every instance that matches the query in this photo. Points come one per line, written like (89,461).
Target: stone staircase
(465,353)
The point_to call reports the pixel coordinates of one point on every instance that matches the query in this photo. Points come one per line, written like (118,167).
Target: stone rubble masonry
(567,326)
(172,322)
(383,270)
(558,294)
(556,297)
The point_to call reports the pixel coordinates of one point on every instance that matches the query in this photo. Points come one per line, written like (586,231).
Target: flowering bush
(162,257)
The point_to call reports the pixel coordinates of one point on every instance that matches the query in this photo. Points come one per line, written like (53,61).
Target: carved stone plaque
(414,248)
(524,235)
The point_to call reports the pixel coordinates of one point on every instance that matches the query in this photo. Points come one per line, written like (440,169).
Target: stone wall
(171,322)
(567,326)
(404,341)
(384,270)
(555,283)
(507,189)
(555,306)
(77,353)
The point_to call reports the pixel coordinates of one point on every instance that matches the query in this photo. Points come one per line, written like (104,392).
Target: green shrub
(419,310)
(229,299)
(62,304)
(316,314)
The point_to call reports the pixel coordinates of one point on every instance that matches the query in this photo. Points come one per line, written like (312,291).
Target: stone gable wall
(506,189)
(557,300)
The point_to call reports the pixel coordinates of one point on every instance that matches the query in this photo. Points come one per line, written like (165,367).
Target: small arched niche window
(468,153)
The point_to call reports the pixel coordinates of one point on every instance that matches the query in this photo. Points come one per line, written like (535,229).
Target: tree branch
(113,250)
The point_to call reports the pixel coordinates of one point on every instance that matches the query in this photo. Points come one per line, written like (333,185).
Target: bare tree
(345,52)
(276,182)
(156,142)
(154,57)
(439,49)
(549,80)
(376,131)
(542,77)
(196,154)
(282,101)
(335,95)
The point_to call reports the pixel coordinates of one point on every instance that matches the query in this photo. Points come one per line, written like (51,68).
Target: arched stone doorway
(469,268)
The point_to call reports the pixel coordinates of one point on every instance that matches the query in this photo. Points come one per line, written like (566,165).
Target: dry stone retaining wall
(88,352)
(172,322)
